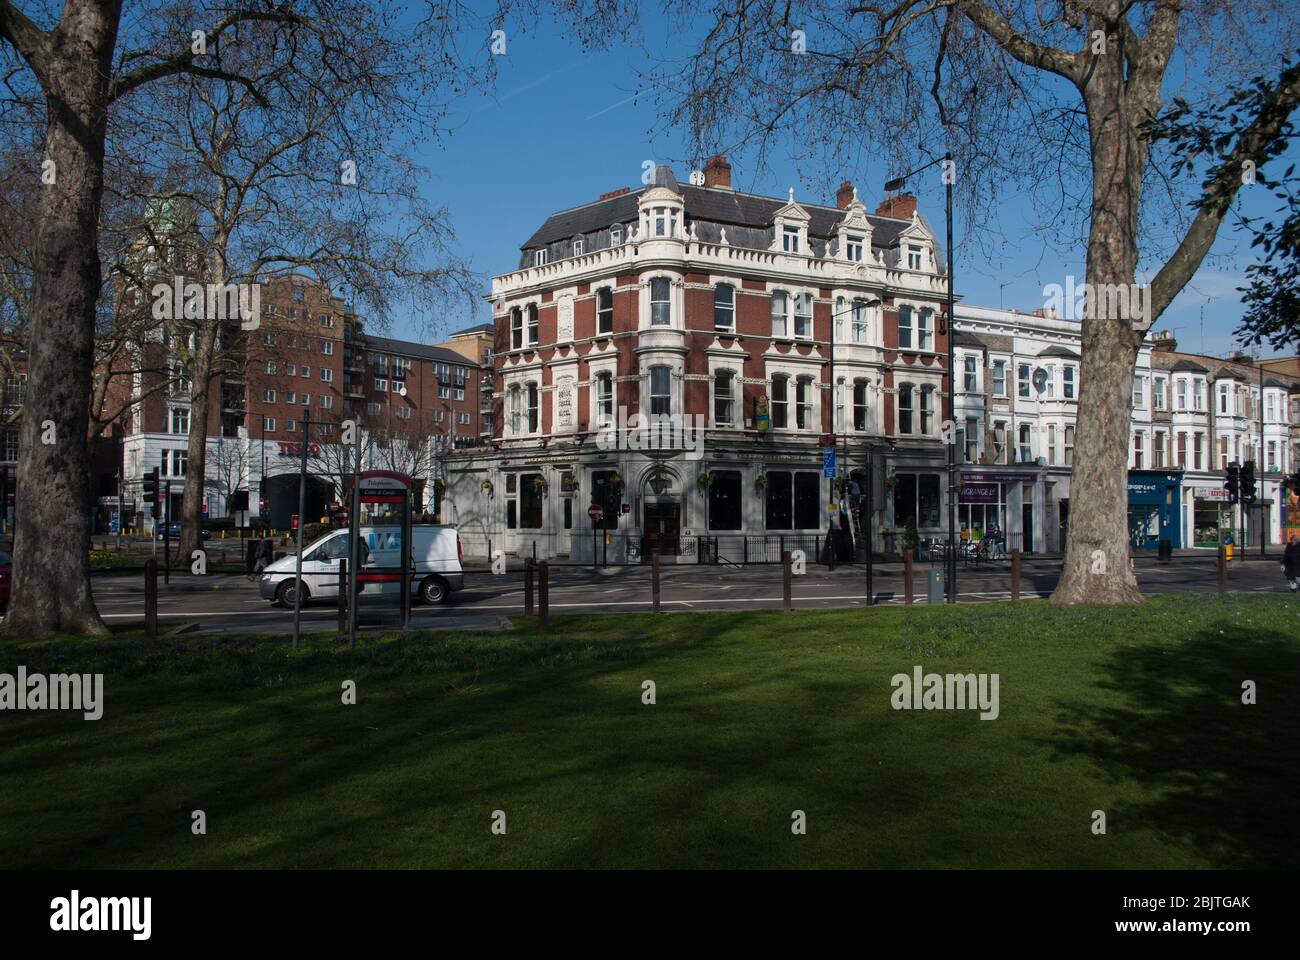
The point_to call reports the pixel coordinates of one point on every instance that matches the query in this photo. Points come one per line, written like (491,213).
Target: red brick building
(766,323)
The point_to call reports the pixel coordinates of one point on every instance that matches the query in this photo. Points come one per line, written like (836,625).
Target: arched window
(516,329)
(859,405)
(604,310)
(925,330)
(661,395)
(660,302)
(604,399)
(533,422)
(780,320)
(803,315)
(779,407)
(905,408)
(927,410)
(905,327)
(724,307)
(532,325)
(724,401)
(803,403)
(859,321)
(515,409)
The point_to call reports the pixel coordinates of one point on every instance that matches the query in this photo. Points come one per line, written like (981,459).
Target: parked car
(435,556)
(174,531)
(6,575)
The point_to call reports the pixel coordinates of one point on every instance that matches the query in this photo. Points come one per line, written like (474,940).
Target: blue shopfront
(1154,508)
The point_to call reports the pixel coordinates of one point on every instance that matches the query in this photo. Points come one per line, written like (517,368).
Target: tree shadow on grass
(1223,773)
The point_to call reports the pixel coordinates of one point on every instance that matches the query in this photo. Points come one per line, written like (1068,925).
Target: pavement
(229,603)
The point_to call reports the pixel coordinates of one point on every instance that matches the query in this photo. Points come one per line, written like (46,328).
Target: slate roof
(746,217)
(1189,365)
(420,351)
(1057,350)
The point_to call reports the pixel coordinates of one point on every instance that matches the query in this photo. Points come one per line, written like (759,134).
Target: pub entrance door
(661,527)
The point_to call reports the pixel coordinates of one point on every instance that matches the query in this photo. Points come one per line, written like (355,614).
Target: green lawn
(1136,712)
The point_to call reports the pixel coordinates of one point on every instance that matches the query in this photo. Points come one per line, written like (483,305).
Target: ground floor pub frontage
(734,502)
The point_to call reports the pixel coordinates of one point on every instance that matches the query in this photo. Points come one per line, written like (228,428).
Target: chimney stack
(717,172)
(900,207)
(844,195)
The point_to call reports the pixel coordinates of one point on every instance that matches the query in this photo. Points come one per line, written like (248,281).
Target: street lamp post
(947,328)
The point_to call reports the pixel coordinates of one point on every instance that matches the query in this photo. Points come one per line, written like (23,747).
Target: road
(225,603)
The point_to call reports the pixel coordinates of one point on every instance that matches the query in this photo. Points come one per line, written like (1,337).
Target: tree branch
(1026,51)
(1221,189)
(27,38)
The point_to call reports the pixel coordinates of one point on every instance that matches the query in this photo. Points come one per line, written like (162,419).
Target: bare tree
(230,468)
(1047,100)
(78,68)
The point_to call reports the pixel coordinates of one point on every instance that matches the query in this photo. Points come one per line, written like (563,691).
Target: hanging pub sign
(762,419)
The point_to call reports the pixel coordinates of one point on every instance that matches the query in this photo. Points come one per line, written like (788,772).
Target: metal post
(786,582)
(151,597)
(343,597)
(1015,574)
(167,532)
(907,576)
(1263,464)
(302,522)
(544,595)
(654,578)
(952,406)
(1223,568)
(528,587)
(354,538)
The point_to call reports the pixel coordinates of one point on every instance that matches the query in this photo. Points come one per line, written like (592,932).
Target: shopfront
(1154,508)
(989,500)
(1212,517)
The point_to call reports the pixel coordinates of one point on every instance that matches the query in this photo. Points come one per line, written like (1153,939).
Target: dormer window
(790,239)
(853,249)
(616,235)
(539,258)
(577,247)
(915,257)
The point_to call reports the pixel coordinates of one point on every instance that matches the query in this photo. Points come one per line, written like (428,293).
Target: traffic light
(1248,482)
(1233,483)
(151,487)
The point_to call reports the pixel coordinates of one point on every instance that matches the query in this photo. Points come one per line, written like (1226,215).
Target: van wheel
(284,595)
(433,591)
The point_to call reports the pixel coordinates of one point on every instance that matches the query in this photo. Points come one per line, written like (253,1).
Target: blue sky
(565,126)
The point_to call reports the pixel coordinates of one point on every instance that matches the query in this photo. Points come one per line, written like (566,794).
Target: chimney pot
(717,172)
(901,207)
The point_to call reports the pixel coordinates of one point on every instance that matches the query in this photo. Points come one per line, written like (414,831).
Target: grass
(1136,712)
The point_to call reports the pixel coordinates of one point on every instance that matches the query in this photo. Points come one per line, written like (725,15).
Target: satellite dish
(697,178)
(1040,379)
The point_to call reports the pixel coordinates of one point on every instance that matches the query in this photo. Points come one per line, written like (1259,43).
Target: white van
(436,554)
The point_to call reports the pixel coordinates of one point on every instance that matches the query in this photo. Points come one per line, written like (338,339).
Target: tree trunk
(51,585)
(204,378)
(1096,566)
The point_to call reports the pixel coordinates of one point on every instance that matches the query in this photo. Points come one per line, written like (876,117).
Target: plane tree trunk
(51,585)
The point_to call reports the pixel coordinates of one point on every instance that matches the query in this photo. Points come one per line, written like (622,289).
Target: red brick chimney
(844,195)
(717,172)
(900,207)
